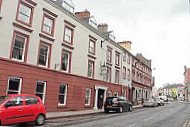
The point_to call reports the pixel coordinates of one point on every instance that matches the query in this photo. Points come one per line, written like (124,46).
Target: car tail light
(116,103)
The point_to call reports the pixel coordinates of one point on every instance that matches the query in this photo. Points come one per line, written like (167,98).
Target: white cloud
(159,29)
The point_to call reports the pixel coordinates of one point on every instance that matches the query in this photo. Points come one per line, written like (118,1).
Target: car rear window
(3,99)
(111,99)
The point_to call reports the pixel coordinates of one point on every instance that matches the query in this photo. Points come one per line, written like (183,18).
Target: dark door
(100,98)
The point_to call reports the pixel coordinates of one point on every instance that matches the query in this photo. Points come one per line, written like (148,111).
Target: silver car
(151,102)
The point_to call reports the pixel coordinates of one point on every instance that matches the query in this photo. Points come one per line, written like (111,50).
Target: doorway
(100,98)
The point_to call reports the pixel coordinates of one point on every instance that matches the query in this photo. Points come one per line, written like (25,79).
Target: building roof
(173,86)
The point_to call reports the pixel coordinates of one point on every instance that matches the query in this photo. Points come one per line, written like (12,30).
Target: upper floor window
(18,51)
(48,24)
(66,61)
(68,35)
(124,72)
(124,56)
(0,5)
(92,47)
(117,57)
(24,13)
(91,69)
(129,59)
(109,54)
(44,54)
(128,74)
(62,94)
(14,85)
(117,77)
(108,74)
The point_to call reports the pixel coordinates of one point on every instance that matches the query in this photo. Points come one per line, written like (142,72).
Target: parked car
(21,108)
(160,101)
(165,98)
(118,104)
(151,102)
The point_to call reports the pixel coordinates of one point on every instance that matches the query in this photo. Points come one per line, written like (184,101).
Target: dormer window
(67,4)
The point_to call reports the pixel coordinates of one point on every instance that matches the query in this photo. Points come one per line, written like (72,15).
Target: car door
(14,112)
(126,104)
(31,108)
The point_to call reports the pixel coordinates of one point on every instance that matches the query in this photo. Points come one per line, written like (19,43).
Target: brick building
(68,60)
(187,83)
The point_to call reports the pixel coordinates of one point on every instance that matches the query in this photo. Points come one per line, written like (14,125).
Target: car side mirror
(8,104)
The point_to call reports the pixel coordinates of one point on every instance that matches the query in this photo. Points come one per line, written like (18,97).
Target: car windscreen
(3,99)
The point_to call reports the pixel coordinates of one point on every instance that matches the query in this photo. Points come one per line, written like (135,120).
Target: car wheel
(130,108)
(40,120)
(106,111)
(120,109)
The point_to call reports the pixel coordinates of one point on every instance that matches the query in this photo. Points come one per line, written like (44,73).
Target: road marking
(149,118)
(132,125)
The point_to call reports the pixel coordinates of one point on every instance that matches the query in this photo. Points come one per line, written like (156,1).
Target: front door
(100,98)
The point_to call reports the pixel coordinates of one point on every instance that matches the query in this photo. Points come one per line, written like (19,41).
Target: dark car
(118,104)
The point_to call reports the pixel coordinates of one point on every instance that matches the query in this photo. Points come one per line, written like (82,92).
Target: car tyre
(130,108)
(40,120)
(106,111)
(120,109)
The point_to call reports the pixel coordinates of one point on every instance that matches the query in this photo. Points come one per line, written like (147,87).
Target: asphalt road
(175,114)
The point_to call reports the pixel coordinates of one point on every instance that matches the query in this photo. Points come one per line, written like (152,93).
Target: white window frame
(92,63)
(89,97)
(92,46)
(23,54)
(44,91)
(24,14)
(50,27)
(20,85)
(47,59)
(65,97)
(68,35)
(68,62)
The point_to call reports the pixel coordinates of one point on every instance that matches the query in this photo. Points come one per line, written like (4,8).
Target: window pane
(61,99)
(62,94)
(68,34)
(47,25)
(40,95)
(24,13)
(90,69)
(62,89)
(18,47)
(43,55)
(40,87)
(65,61)
(14,84)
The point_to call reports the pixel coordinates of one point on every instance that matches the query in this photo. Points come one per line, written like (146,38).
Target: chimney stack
(126,45)
(103,28)
(83,14)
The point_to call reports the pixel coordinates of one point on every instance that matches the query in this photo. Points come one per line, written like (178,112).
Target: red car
(19,108)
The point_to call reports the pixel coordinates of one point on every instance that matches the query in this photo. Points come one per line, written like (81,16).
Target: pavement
(55,115)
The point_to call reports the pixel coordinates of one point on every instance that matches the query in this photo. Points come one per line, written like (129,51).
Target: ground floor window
(14,85)
(109,93)
(116,93)
(124,92)
(41,90)
(62,94)
(87,97)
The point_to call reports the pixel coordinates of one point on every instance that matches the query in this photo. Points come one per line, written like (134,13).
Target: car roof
(16,95)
